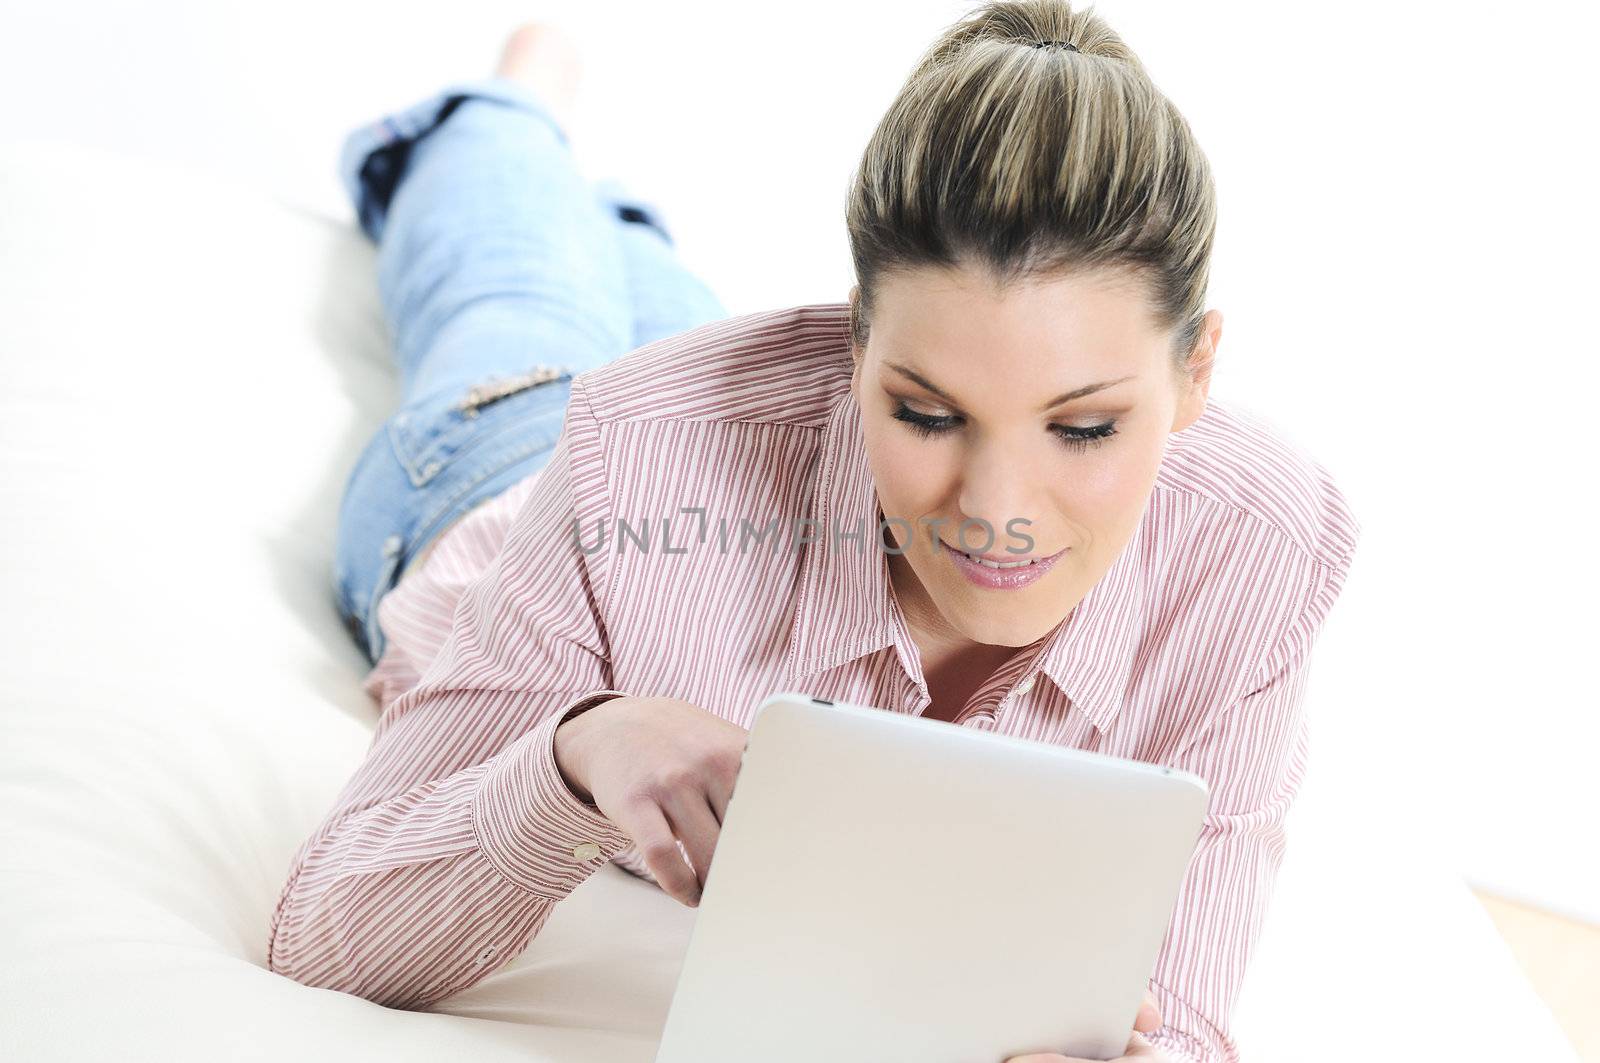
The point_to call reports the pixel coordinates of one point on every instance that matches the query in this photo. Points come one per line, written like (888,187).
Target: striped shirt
(447,850)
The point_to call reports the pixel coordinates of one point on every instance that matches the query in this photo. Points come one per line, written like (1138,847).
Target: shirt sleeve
(447,850)
(1253,757)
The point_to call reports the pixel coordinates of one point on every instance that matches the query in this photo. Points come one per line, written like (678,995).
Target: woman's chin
(999,623)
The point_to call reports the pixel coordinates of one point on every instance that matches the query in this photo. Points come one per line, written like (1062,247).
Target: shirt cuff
(529,823)
(1185,1034)
(1177,1047)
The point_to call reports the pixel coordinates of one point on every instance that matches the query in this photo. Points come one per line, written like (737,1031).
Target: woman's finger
(696,826)
(1149,1017)
(647,825)
(719,791)
(723,772)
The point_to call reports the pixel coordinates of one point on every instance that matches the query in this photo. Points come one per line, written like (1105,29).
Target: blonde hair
(1035,161)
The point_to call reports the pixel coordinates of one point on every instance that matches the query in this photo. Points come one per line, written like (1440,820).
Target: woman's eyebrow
(1066,396)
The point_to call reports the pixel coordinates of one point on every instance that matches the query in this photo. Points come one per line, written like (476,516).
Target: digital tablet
(893,889)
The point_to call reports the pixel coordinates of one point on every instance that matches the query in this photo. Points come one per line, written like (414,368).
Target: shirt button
(1025,686)
(586,851)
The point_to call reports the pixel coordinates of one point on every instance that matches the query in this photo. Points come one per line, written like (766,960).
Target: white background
(1405,262)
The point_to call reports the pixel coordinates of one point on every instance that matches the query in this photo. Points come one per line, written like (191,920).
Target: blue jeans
(502,273)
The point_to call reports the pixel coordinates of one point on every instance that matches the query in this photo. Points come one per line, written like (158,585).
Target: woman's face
(1040,412)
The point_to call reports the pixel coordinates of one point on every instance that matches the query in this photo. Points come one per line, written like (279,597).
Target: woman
(989,490)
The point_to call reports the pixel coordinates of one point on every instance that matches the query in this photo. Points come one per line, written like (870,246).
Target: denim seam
(385,583)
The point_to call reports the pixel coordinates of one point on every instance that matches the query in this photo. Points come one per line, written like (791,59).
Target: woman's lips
(1007,572)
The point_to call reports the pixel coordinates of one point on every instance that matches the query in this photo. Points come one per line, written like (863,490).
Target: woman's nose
(996,489)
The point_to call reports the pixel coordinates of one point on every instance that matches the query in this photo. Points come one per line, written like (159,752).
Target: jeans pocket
(430,434)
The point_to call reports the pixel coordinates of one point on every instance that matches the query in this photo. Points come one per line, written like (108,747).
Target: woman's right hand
(662,770)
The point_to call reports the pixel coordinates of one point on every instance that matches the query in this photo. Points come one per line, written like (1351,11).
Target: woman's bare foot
(545,58)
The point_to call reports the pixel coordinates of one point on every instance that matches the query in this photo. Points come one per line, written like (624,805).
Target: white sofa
(189,368)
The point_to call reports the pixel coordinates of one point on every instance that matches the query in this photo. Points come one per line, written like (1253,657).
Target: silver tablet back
(889,888)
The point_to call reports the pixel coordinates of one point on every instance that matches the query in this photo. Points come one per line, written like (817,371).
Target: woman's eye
(1083,438)
(1076,438)
(924,424)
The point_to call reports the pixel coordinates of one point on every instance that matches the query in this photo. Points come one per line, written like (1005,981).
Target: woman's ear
(1204,358)
(857,353)
(1197,377)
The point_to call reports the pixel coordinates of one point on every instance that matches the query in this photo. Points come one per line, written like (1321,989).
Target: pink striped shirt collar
(847,608)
